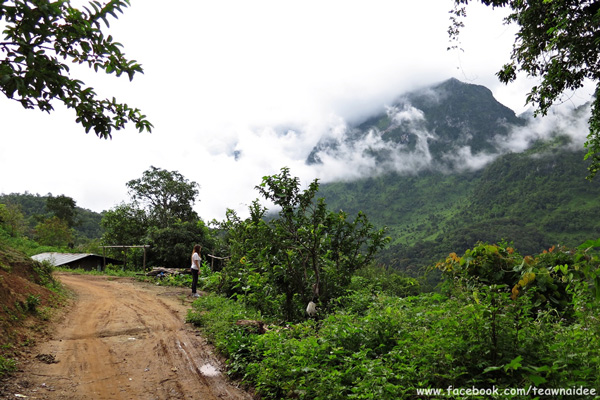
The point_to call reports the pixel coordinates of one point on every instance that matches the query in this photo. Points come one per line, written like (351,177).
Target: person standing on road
(195,268)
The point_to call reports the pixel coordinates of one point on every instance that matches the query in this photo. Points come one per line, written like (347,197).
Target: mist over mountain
(452,127)
(448,166)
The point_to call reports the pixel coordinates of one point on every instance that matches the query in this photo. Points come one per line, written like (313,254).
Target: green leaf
(537,380)
(589,244)
(491,369)
(514,364)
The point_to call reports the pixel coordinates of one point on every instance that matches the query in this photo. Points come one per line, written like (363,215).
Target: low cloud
(564,121)
(346,154)
(463,159)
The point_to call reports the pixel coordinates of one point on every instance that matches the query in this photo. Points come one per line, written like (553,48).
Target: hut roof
(58,259)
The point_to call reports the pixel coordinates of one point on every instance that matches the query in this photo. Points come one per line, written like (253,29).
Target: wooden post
(213,258)
(144,259)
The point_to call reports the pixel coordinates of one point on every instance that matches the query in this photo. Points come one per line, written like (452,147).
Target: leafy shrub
(485,264)
(7,366)
(44,271)
(307,253)
(216,315)
(32,302)
(549,276)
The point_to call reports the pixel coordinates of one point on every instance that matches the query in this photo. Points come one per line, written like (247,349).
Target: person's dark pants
(194,279)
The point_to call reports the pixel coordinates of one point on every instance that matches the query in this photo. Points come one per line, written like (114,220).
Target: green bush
(305,253)
(32,302)
(216,315)
(44,271)
(7,366)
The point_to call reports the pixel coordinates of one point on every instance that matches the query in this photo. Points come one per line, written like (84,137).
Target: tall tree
(41,37)
(166,195)
(12,219)
(306,254)
(63,207)
(172,246)
(53,232)
(125,224)
(559,42)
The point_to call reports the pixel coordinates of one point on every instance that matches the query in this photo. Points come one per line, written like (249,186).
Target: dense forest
(34,209)
(533,199)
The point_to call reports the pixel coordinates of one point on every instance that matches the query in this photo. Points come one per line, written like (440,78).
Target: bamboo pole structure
(145,246)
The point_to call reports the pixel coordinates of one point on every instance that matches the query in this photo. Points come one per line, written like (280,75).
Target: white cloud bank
(237,90)
(362,155)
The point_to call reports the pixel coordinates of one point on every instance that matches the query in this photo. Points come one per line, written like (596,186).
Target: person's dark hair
(197,249)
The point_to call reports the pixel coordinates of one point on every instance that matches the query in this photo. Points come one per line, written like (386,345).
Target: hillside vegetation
(533,199)
(34,210)
(510,325)
(28,293)
(516,313)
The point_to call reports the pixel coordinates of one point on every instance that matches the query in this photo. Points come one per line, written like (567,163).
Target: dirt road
(123,339)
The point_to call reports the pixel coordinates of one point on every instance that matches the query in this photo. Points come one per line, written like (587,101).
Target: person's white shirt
(195,261)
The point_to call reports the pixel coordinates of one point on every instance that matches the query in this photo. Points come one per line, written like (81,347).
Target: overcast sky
(260,79)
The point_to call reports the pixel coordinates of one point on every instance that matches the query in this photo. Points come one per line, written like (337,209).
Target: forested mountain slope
(33,208)
(474,185)
(534,202)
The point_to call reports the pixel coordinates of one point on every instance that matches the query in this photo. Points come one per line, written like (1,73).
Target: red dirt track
(124,339)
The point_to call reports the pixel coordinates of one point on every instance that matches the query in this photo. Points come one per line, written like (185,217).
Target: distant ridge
(448,116)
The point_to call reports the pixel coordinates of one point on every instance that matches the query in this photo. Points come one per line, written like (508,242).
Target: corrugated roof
(58,259)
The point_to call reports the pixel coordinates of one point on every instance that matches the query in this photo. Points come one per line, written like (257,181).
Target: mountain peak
(440,121)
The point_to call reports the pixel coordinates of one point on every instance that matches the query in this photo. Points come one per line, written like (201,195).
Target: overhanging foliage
(559,42)
(41,36)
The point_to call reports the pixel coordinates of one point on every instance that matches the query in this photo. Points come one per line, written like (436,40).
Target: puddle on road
(206,369)
(209,370)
